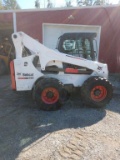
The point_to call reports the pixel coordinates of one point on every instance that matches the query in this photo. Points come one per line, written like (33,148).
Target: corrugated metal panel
(6,21)
(6,25)
(108,18)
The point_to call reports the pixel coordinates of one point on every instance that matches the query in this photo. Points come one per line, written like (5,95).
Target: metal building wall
(106,17)
(6,24)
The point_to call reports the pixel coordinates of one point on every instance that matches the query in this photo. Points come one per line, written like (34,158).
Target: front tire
(47,94)
(96,92)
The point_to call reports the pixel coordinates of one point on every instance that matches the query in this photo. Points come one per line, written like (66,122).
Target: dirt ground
(74,132)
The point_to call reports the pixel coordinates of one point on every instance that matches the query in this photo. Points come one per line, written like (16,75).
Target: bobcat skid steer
(50,75)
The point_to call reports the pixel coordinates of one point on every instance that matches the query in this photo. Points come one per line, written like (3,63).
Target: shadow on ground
(115,102)
(21,123)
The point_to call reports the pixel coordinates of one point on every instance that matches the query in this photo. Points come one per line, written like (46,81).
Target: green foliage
(92,2)
(10,5)
(37,4)
(49,4)
(68,3)
(100,2)
(1,6)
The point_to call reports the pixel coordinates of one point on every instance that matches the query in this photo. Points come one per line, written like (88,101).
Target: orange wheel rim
(98,93)
(50,95)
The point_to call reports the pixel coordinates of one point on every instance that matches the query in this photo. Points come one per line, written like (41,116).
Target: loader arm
(20,39)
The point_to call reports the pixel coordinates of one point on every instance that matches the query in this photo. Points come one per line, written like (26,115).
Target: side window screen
(69,45)
(80,47)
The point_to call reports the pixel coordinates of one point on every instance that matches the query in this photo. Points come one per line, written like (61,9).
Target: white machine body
(26,74)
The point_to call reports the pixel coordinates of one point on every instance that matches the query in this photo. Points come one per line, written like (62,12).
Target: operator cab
(79,44)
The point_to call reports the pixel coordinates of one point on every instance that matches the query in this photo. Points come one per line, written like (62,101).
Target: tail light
(12,75)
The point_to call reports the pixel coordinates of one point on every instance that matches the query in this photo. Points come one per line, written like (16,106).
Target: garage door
(51,33)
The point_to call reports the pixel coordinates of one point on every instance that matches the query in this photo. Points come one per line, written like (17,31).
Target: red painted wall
(6,18)
(108,18)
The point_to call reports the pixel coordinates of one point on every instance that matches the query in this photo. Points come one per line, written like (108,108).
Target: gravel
(74,132)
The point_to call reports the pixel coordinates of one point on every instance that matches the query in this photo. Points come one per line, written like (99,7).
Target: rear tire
(96,92)
(48,94)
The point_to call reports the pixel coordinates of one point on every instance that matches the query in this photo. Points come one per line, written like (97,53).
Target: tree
(10,4)
(68,3)
(1,6)
(99,2)
(37,4)
(91,2)
(79,2)
(84,2)
(49,4)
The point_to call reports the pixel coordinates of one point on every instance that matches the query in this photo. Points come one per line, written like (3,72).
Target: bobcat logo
(99,68)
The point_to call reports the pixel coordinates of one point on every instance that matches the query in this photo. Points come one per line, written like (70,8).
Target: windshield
(78,46)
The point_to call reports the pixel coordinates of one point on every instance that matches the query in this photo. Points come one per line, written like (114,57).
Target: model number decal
(18,74)
(25,77)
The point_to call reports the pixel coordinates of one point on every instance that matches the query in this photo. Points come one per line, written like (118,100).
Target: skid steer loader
(50,74)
